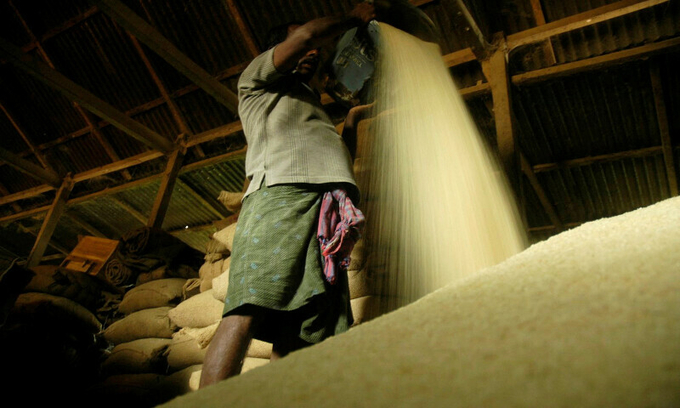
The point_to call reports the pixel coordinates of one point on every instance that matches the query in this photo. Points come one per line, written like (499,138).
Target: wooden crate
(90,255)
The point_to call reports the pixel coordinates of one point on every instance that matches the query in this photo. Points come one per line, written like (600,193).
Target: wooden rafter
(160,206)
(127,19)
(3,190)
(664,131)
(604,158)
(600,62)
(85,98)
(94,129)
(36,152)
(468,30)
(581,20)
(30,169)
(66,25)
(50,222)
(243,28)
(540,192)
(548,51)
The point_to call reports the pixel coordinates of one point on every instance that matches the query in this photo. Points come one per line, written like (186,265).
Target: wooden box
(90,255)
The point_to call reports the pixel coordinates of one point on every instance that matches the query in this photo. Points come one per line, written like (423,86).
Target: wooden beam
(94,130)
(664,132)
(539,17)
(243,28)
(29,168)
(459,57)
(166,50)
(174,110)
(53,244)
(50,223)
(577,21)
(66,25)
(468,30)
(476,90)
(36,152)
(495,70)
(214,160)
(540,192)
(590,160)
(117,166)
(160,206)
(568,225)
(3,190)
(600,62)
(85,98)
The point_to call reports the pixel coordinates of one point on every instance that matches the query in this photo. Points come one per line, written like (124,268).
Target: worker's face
(307,65)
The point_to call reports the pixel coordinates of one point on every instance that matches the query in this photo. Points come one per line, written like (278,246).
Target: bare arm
(316,33)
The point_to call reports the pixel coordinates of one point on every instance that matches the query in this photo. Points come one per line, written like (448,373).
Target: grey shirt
(290,137)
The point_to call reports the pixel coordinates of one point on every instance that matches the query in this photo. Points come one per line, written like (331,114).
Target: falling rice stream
(438,207)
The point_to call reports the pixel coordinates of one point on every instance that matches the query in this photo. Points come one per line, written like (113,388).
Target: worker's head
(308,64)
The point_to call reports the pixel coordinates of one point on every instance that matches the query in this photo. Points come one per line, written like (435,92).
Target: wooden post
(50,222)
(160,206)
(495,70)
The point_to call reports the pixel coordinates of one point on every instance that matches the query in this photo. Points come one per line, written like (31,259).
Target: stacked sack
(49,340)
(136,368)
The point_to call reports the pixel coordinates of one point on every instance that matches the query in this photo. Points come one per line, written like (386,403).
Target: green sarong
(276,263)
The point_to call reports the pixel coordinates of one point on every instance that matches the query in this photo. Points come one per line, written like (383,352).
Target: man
(282,289)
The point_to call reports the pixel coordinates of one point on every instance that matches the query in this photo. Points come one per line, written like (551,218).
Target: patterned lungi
(276,263)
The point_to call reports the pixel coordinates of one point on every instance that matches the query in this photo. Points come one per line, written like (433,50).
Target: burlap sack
(365,308)
(137,356)
(200,310)
(80,287)
(231,200)
(220,285)
(183,381)
(192,287)
(360,283)
(259,349)
(34,306)
(141,324)
(216,247)
(251,363)
(183,351)
(156,293)
(358,255)
(211,270)
(202,335)
(226,236)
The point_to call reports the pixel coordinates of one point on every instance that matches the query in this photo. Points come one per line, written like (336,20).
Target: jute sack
(220,285)
(226,236)
(157,293)
(142,324)
(231,200)
(80,287)
(259,349)
(192,287)
(365,308)
(137,356)
(360,283)
(183,381)
(183,351)
(358,255)
(251,363)
(34,306)
(211,270)
(200,310)
(203,335)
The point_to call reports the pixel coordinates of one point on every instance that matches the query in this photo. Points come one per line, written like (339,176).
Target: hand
(363,11)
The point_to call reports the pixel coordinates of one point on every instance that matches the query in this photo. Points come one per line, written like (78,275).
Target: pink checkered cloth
(340,227)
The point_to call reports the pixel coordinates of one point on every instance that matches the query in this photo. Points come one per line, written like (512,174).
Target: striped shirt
(290,137)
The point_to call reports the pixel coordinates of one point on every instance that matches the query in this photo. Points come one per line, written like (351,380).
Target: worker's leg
(228,348)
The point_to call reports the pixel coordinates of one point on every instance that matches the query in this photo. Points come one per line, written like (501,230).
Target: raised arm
(316,33)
